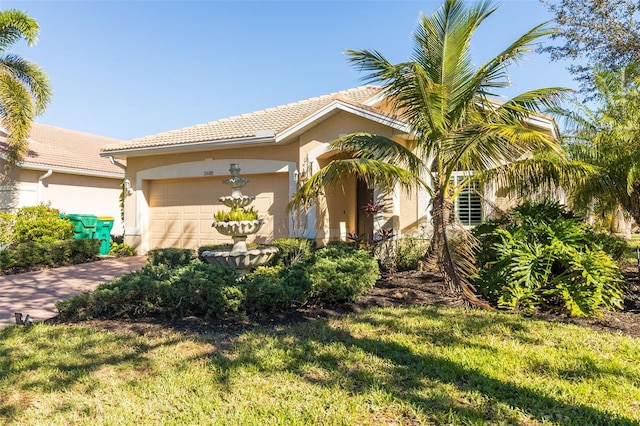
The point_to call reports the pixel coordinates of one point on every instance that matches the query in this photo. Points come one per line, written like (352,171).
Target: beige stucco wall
(75,194)
(9,184)
(68,193)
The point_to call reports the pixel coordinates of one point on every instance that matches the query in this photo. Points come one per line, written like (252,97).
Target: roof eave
(331,109)
(70,170)
(189,147)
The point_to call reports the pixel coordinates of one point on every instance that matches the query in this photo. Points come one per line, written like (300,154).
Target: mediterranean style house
(63,169)
(176,177)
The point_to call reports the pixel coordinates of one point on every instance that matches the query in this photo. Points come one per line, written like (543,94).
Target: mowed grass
(426,365)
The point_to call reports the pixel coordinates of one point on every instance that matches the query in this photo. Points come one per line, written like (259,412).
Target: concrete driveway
(35,293)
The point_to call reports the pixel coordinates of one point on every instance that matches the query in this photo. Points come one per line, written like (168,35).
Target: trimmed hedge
(335,274)
(271,289)
(339,272)
(198,289)
(25,256)
(171,257)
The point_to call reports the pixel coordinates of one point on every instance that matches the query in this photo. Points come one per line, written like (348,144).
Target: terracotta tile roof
(51,146)
(275,119)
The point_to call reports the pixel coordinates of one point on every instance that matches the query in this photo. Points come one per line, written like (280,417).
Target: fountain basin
(243,227)
(243,262)
(237,202)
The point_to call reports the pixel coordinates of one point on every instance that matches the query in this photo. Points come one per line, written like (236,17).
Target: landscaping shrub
(407,253)
(339,272)
(121,249)
(165,287)
(171,257)
(41,223)
(25,256)
(7,221)
(203,290)
(273,289)
(543,257)
(613,245)
(290,250)
(197,289)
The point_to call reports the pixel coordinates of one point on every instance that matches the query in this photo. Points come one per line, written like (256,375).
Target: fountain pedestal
(239,257)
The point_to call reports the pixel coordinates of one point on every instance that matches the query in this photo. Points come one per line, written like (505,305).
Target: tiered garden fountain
(238,224)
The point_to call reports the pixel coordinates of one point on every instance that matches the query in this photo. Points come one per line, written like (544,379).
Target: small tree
(603,32)
(446,101)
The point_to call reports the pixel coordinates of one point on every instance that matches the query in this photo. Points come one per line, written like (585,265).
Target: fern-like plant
(544,258)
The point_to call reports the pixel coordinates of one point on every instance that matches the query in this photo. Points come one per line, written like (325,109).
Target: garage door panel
(181,210)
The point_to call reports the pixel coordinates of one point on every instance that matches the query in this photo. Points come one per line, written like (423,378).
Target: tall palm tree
(457,127)
(24,87)
(608,138)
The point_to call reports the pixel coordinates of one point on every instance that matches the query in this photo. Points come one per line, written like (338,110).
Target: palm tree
(24,87)
(608,138)
(446,101)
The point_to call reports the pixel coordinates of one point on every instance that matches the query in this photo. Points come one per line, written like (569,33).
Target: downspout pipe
(117,163)
(40,184)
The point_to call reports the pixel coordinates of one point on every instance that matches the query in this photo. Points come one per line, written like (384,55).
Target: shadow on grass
(422,380)
(48,359)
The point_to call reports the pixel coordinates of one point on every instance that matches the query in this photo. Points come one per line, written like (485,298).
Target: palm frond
(374,173)
(32,76)
(17,113)
(16,25)
(372,146)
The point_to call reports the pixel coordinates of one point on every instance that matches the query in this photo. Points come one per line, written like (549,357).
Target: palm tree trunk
(451,250)
(620,224)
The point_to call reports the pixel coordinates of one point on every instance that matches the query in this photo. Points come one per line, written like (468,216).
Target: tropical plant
(236,215)
(24,87)
(542,256)
(608,138)
(456,127)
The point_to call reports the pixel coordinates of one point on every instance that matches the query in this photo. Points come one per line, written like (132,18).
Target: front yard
(398,365)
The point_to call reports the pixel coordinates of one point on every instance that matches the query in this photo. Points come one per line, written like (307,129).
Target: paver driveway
(35,293)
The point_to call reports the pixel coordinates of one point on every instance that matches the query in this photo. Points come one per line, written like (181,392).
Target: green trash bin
(85,225)
(103,233)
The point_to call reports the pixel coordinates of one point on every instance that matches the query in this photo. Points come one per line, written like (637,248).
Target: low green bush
(41,223)
(171,257)
(337,273)
(290,250)
(7,221)
(25,256)
(198,289)
(407,252)
(121,250)
(544,258)
(273,289)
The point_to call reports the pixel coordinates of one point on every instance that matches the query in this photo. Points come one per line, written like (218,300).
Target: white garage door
(181,210)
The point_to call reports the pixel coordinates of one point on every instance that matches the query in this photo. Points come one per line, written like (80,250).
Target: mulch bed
(400,289)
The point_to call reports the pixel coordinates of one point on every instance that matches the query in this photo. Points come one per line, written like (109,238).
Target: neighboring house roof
(269,125)
(65,151)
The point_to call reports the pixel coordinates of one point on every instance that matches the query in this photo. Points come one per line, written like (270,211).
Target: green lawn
(429,365)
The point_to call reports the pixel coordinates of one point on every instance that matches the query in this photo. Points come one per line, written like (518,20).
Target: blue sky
(126,69)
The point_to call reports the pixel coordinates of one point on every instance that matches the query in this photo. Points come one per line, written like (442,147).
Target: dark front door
(364,221)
